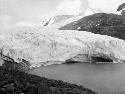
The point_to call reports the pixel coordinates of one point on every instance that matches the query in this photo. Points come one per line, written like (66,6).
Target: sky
(30,12)
(26,11)
(107,6)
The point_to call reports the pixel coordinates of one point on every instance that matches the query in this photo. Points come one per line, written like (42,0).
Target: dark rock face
(100,23)
(13,81)
(122,6)
(123,12)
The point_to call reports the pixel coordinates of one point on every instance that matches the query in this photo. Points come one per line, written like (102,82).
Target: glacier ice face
(47,45)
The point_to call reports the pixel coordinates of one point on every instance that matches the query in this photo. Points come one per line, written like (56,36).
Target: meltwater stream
(102,78)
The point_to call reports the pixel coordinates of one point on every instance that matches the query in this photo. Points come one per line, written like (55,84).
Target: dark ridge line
(100,23)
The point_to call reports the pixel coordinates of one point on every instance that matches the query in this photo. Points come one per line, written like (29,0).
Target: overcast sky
(29,12)
(23,12)
(15,11)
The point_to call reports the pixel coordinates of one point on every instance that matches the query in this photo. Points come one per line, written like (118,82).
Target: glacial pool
(102,78)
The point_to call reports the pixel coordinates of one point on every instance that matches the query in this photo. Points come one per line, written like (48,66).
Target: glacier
(42,46)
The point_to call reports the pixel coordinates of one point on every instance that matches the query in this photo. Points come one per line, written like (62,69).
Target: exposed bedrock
(100,23)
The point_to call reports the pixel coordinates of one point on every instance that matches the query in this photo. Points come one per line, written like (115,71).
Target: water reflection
(103,78)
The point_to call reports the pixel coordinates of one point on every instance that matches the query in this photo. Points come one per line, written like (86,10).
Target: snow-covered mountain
(100,23)
(62,38)
(43,45)
(56,19)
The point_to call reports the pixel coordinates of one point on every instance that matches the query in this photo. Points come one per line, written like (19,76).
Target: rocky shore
(15,81)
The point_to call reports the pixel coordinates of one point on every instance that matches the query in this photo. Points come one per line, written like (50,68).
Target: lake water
(102,78)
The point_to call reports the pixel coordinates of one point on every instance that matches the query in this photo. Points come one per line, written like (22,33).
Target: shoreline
(13,81)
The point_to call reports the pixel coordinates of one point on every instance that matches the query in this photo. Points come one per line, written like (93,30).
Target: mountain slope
(100,23)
